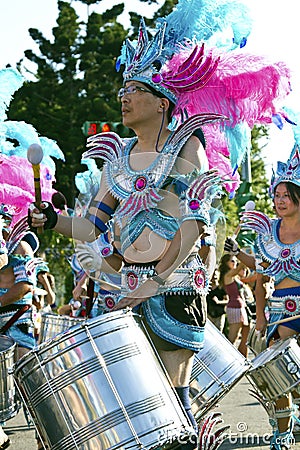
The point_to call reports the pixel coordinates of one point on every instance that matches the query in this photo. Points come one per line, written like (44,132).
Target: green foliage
(256,190)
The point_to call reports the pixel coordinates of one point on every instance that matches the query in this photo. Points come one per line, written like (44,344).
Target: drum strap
(90,295)
(14,318)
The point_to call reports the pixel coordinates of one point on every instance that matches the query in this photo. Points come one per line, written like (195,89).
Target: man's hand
(46,218)
(140,295)
(231,246)
(88,258)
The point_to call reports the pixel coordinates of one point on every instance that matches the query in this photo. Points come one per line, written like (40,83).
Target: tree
(75,81)
(257,189)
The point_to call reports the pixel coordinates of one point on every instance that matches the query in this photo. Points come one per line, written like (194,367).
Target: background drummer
(16,288)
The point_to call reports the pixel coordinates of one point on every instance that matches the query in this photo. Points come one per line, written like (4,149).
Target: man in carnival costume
(160,215)
(277,255)
(160,188)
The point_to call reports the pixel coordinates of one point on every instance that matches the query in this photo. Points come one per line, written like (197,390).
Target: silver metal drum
(9,405)
(53,324)
(276,371)
(256,342)
(101,386)
(216,369)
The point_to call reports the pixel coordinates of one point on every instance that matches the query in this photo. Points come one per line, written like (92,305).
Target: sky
(274,34)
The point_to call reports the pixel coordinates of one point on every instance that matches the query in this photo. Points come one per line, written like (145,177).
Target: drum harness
(14,318)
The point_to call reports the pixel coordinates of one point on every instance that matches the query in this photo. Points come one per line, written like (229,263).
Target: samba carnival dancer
(277,253)
(158,189)
(17,279)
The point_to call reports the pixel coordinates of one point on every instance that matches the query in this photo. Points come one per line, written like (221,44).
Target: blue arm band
(98,223)
(103,207)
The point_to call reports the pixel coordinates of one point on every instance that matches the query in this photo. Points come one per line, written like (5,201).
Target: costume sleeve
(23,268)
(195,200)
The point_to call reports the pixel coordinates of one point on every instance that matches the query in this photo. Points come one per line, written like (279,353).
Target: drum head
(271,353)
(99,385)
(216,369)
(276,371)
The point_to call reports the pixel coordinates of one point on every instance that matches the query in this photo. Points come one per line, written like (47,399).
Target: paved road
(249,424)
(249,427)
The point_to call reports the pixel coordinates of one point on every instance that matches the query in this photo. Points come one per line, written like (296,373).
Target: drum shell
(216,369)
(9,405)
(256,343)
(276,371)
(82,383)
(54,324)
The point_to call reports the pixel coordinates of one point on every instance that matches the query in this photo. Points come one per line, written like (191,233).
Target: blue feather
(206,20)
(10,81)
(239,140)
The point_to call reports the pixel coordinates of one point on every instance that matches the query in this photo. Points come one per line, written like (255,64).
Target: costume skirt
(283,303)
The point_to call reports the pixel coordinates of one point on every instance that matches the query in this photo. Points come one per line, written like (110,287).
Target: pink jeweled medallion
(290,305)
(199,279)
(109,302)
(194,205)
(285,253)
(105,251)
(140,183)
(156,78)
(132,280)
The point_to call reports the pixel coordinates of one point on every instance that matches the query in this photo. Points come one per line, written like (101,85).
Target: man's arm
(20,288)
(15,293)
(79,228)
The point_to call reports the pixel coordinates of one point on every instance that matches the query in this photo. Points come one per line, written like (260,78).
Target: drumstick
(287,319)
(35,156)
(249,206)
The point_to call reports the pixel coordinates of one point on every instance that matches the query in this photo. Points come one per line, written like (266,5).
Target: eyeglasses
(132,90)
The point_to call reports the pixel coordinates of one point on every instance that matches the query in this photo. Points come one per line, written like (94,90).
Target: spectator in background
(238,322)
(217,300)
(46,281)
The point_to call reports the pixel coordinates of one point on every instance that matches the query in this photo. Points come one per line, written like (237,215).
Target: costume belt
(288,304)
(189,278)
(105,301)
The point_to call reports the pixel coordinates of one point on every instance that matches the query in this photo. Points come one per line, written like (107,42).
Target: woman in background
(238,322)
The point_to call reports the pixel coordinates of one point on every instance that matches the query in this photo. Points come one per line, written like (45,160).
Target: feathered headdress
(16,176)
(218,77)
(288,172)
(148,62)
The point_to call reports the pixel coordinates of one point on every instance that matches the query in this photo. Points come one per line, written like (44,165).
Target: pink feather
(17,184)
